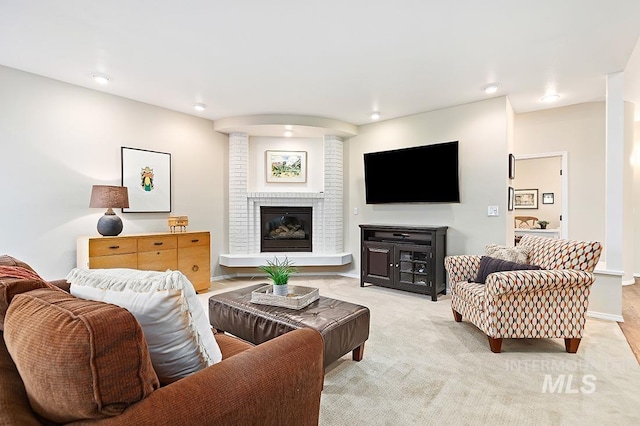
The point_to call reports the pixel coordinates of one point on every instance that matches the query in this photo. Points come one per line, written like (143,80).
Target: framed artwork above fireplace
(286,166)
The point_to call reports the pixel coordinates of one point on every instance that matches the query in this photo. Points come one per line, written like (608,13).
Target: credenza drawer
(159,242)
(128,260)
(159,260)
(191,240)
(112,246)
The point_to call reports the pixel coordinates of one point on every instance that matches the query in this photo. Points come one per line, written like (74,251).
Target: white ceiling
(339,59)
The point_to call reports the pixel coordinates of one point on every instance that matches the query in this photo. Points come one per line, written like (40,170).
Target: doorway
(546,174)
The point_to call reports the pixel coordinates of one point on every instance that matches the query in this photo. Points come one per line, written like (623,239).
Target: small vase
(281,289)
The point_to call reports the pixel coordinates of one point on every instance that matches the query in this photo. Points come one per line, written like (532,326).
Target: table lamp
(110,197)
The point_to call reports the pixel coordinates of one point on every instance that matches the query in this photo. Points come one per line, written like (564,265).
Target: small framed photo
(147,175)
(510,198)
(547,198)
(525,199)
(286,166)
(512,166)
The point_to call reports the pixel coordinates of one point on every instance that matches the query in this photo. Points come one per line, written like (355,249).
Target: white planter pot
(281,290)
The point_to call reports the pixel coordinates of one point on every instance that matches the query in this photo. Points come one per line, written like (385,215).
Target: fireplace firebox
(285,229)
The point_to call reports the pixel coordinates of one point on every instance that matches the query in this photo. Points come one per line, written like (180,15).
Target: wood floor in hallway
(631,314)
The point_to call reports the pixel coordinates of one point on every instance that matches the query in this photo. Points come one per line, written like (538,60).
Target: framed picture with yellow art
(147,175)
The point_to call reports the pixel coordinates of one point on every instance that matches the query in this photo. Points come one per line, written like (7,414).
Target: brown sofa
(275,383)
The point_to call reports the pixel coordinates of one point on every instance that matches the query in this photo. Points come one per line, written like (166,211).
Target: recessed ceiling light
(288,133)
(550,98)
(100,78)
(375,115)
(490,89)
(200,107)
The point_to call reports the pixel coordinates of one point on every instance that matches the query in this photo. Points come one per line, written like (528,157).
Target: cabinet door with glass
(413,267)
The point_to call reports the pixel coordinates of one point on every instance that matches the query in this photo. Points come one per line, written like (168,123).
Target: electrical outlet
(355,210)
(492,211)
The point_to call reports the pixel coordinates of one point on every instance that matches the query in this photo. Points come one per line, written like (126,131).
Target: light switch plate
(492,211)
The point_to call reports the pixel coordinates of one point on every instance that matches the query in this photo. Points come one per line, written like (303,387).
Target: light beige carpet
(420,367)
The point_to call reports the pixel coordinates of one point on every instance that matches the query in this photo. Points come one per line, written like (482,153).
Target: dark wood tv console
(407,258)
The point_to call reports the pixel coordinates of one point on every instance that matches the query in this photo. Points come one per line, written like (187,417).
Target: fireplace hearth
(284,228)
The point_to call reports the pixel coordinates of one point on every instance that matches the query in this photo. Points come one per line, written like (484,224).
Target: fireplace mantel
(296,195)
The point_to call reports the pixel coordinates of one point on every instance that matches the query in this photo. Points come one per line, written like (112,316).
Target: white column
(333,194)
(628,226)
(238,208)
(614,171)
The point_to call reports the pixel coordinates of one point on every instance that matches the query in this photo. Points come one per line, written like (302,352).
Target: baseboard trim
(608,317)
(356,276)
(298,259)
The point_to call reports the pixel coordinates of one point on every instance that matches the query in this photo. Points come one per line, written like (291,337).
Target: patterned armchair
(546,303)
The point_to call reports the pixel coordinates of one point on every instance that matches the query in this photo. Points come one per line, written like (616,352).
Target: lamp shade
(109,196)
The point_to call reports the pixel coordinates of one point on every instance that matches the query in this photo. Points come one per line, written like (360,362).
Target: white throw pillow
(165,304)
(518,254)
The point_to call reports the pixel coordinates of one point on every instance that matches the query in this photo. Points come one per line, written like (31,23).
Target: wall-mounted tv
(421,174)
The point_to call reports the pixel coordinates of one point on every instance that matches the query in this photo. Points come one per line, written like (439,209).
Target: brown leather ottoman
(344,326)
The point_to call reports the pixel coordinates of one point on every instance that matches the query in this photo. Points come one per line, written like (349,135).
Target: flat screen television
(421,174)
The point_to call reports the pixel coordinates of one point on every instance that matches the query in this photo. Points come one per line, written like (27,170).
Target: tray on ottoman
(298,297)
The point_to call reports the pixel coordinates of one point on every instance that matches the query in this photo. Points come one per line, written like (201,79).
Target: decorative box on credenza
(187,252)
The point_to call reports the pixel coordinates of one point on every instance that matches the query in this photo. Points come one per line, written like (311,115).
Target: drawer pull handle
(158,244)
(195,268)
(114,247)
(194,241)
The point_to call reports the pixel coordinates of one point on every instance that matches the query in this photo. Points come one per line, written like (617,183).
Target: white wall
(57,140)
(481,129)
(579,130)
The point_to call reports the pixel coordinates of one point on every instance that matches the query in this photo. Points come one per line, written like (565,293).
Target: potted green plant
(543,224)
(279,272)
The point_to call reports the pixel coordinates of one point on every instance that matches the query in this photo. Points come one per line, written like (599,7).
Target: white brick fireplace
(244,210)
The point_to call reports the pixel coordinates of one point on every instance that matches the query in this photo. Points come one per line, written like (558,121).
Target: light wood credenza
(187,252)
